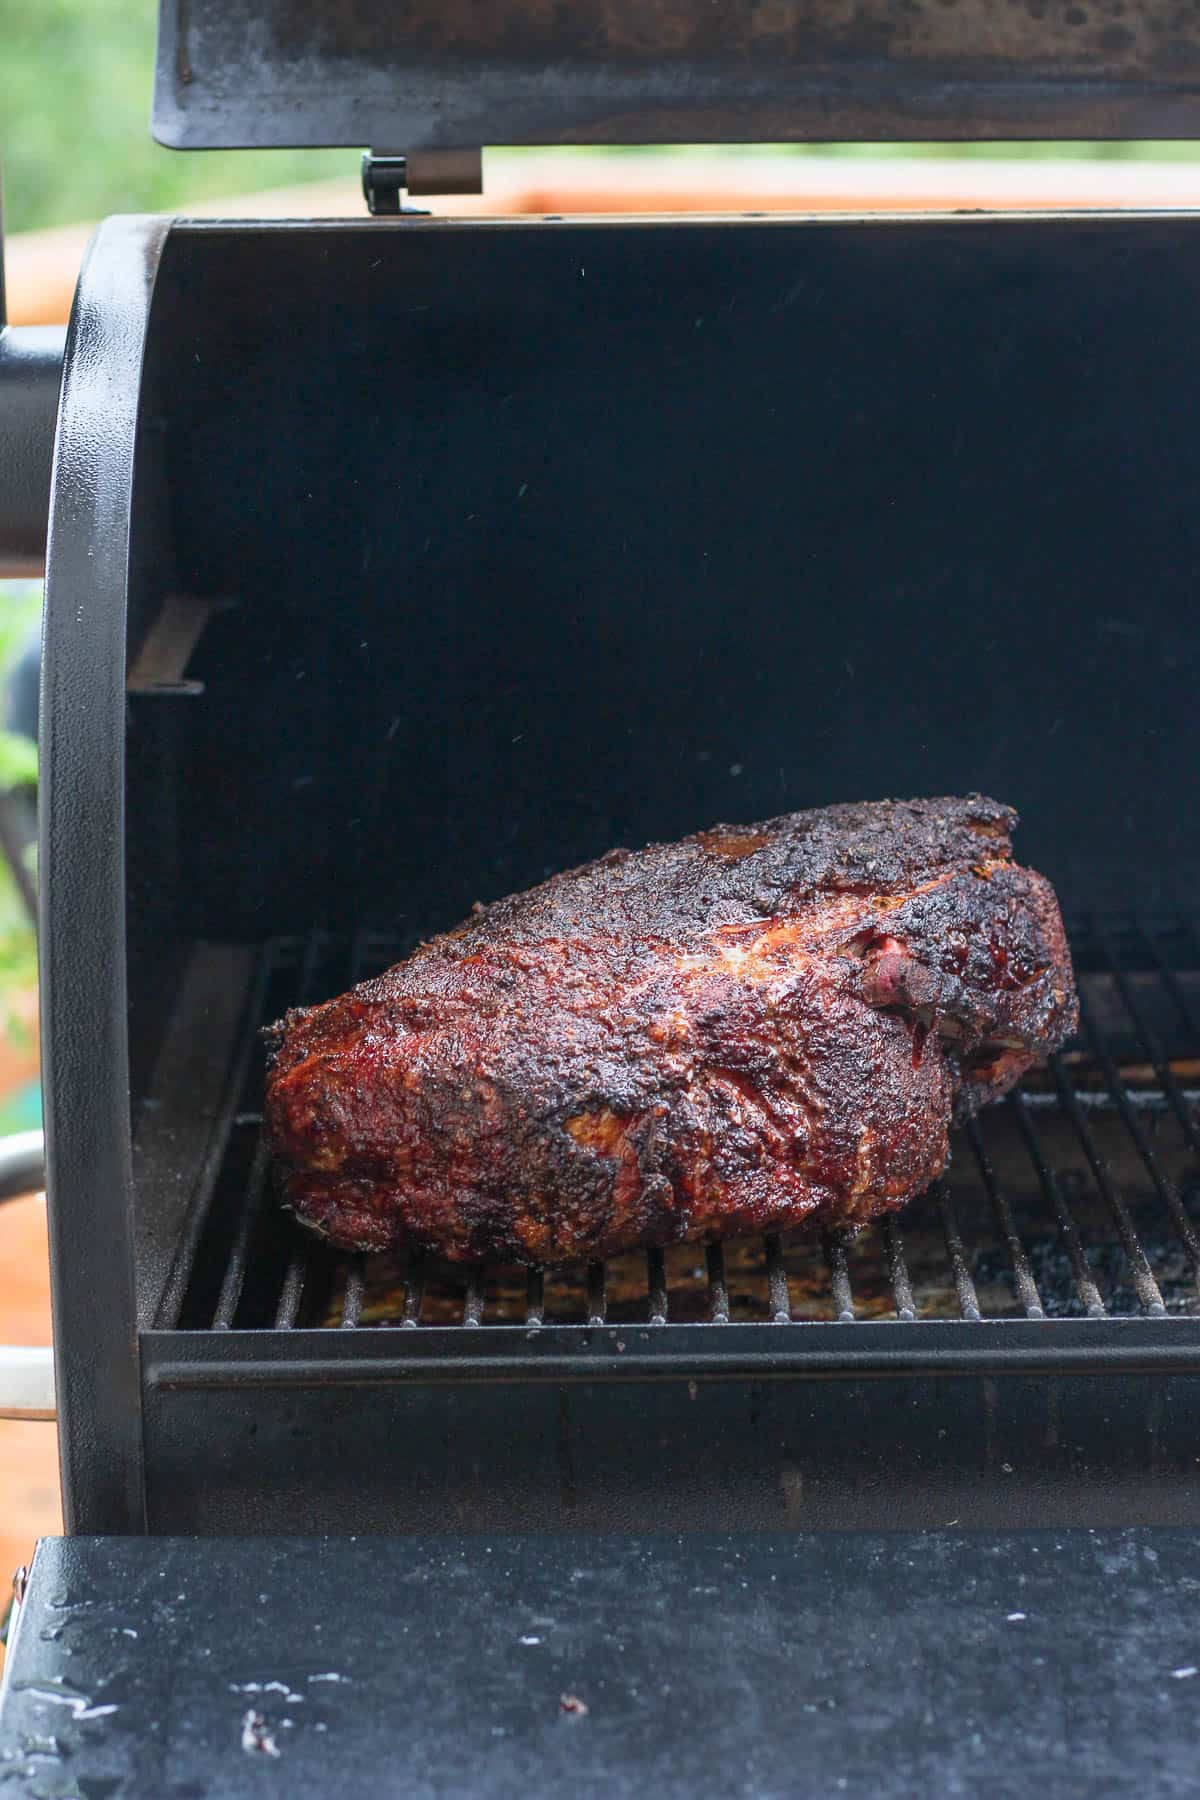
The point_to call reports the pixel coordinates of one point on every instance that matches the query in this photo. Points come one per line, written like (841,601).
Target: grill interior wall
(547,538)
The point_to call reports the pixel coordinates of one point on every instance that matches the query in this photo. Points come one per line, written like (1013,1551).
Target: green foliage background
(20,608)
(75,81)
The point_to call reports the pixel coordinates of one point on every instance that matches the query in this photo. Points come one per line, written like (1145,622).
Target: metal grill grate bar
(1188,1018)
(1163,1186)
(1149,1041)
(1081,1274)
(597,1301)
(839,1277)
(718,1286)
(893,1246)
(256,1188)
(535,1297)
(292,1294)
(964,1286)
(414,1288)
(352,1298)
(656,1286)
(235,1273)
(1147,1289)
(193,1231)
(779,1302)
(473,1299)
(1026,1286)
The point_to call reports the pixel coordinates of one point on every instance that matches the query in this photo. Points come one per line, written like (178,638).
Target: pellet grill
(394,562)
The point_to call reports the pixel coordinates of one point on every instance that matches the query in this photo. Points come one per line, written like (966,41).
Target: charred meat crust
(757,1026)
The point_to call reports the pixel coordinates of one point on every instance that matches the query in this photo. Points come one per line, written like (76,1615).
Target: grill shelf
(1077,1197)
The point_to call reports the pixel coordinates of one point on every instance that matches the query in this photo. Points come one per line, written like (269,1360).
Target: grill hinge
(387,177)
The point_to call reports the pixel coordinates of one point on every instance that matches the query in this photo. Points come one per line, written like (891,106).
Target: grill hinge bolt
(385,184)
(389,177)
(20,1583)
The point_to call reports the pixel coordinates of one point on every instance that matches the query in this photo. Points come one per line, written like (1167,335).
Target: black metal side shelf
(1078,1197)
(932,1664)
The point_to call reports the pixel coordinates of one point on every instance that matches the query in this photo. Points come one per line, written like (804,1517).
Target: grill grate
(1078,1196)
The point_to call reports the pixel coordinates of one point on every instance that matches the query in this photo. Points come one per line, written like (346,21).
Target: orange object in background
(29,1492)
(43,265)
(30,1505)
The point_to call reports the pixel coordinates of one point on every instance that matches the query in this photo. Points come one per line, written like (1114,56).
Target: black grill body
(393,565)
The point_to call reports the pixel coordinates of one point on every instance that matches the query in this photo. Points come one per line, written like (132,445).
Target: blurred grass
(20,610)
(75,82)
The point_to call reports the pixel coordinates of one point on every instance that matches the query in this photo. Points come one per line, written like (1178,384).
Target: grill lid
(434,74)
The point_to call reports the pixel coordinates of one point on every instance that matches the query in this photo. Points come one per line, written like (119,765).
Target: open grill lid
(412,75)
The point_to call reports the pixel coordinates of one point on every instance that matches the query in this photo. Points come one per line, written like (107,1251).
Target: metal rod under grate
(1026,1286)
(1143,1276)
(352,1297)
(535,1297)
(1085,1284)
(1164,1186)
(473,1300)
(898,1270)
(779,1301)
(1149,1040)
(718,1284)
(964,1285)
(414,1289)
(235,1272)
(839,1276)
